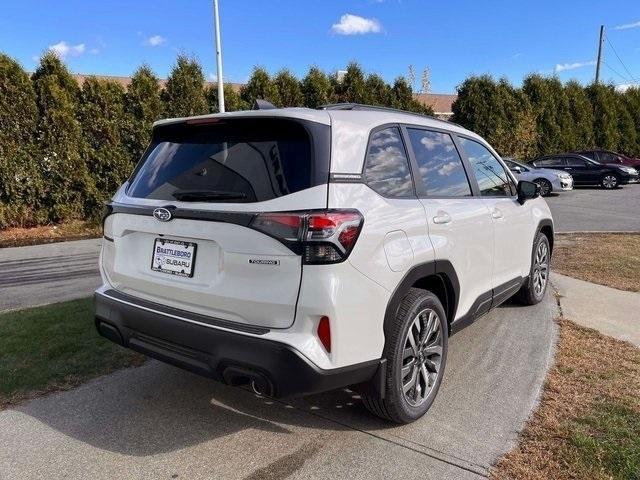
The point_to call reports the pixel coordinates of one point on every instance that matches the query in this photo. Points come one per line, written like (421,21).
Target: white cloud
(626,26)
(63,49)
(623,87)
(155,41)
(561,67)
(354,25)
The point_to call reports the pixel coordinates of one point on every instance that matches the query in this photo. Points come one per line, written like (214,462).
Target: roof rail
(361,106)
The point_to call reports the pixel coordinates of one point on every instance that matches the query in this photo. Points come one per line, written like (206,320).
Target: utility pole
(216,21)
(599,54)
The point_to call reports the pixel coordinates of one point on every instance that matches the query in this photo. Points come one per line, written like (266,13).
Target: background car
(607,156)
(589,172)
(547,179)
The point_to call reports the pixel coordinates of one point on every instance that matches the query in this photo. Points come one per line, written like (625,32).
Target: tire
(545,186)
(421,366)
(535,287)
(610,181)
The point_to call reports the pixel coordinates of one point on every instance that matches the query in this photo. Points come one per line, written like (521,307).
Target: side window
(439,164)
(492,178)
(387,166)
(608,157)
(575,162)
(553,162)
(591,155)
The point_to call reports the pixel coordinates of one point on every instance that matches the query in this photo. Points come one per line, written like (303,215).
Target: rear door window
(439,163)
(551,162)
(235,160)
(387,165)
(492,177)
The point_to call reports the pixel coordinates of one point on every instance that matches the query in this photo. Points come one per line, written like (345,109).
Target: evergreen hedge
(65,148)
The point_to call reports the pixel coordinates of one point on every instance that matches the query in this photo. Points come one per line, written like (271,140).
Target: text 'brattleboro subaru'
(304,250)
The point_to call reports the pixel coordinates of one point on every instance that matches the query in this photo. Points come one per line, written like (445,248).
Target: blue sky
(453,38)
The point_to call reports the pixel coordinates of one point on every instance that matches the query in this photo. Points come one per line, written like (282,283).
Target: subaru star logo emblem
(162,214)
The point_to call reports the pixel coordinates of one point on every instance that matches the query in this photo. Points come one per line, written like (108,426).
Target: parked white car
(548,179)
(304,250)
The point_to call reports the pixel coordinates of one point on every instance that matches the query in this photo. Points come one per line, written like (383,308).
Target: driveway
(596,209)
(43,274)
(156,421)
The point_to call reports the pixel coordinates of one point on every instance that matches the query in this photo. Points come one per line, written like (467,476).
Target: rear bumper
(278,369)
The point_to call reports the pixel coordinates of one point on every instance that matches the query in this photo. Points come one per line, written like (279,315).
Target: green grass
(53,348)
(608,440)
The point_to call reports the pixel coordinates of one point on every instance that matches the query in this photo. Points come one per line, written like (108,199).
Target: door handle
(496,213)
(442,218)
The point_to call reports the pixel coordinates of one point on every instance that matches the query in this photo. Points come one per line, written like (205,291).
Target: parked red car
(607,156)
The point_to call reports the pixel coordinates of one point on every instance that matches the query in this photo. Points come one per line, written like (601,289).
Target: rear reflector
(324,333)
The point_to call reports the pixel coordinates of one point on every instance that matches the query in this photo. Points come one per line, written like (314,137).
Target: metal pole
(599,54)
(216,20)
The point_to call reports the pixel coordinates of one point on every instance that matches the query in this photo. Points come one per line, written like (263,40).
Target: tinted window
(575,162)
(591,155)
(387,167)
(550,162)
(492,178)
(439,163)
(608,157)
(240,160)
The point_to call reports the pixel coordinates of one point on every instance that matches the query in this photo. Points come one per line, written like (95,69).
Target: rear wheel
(544,185)
(610,181)
(535,287)
(416,353)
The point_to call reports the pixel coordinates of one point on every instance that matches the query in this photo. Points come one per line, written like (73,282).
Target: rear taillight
(325,236)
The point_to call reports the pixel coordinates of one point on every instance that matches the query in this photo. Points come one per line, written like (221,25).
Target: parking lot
(595,209)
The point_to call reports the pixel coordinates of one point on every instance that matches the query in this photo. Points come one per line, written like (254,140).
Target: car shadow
(157,408)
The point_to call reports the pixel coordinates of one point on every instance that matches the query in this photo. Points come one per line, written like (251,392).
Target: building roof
(440,102)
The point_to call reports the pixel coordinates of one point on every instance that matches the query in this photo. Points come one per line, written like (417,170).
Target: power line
(619,59)
(617,73)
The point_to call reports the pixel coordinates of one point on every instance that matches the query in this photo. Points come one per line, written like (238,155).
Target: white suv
(302,250)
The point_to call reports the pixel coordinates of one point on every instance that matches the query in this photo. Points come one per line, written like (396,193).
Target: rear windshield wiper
(204,195)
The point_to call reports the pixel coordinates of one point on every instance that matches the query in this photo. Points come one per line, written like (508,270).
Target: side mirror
(527,191)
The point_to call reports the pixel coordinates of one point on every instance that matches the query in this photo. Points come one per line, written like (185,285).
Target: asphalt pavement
(594,209)
(43,274)
(156,421)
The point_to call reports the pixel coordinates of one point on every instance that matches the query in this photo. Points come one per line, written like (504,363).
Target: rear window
(233,160)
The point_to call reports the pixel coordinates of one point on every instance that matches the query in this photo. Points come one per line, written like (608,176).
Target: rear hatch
(192,229)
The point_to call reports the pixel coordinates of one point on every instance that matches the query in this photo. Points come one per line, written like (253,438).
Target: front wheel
(544,185)
(610,181)
(535,286)
(416,353)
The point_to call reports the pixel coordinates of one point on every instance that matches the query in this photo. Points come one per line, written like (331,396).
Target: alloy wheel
(540,268)
(422,357)
(545,187)
(609,181)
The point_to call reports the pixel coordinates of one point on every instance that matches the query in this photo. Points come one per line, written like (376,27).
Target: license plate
(173,257)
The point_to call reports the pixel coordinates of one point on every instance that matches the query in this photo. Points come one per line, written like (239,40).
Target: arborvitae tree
(581,113)
(259,87)
(380,92)
(20,180)
(316,88)
(554,123)
(352,88)
(289,90)
(515,133)
(402,98)
(628,138)
(632,97)
(605,116)
(184,94)
(475,106)
(232,100)
(104,123)
(143,106)
(66,179)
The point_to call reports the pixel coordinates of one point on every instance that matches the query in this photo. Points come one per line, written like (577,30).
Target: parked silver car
(547,179)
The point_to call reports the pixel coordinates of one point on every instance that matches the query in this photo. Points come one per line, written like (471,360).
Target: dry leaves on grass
(611,259)
(591,373)
(72,230)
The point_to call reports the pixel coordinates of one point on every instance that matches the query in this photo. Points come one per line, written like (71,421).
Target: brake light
(324,333)
(325,236)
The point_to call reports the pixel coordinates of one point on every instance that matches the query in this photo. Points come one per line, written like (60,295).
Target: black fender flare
(439,268)
(546,222)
